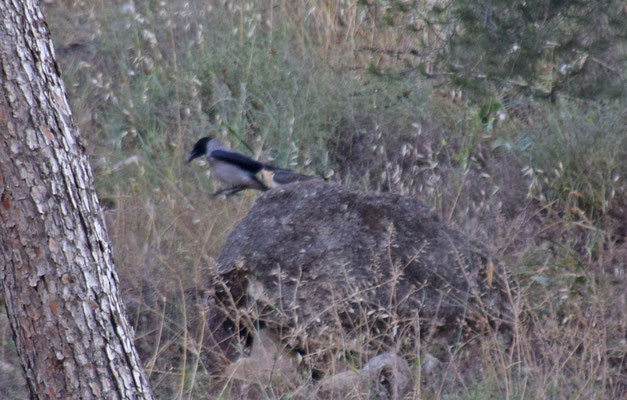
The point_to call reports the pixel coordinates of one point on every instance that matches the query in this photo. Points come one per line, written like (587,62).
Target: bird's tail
(274,169)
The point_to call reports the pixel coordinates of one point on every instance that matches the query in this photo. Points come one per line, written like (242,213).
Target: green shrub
(579,150)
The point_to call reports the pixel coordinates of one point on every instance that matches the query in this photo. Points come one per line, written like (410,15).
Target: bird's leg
(230,191)
(226,189)
(236,190)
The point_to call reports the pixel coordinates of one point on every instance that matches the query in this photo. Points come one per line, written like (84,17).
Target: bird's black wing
(239,160)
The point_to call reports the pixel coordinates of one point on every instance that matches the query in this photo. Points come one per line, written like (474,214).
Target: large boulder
(318,261)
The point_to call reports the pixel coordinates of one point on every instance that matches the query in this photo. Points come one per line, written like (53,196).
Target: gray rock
(322,260)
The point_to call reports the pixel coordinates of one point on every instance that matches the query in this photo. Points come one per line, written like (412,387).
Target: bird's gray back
(215,144)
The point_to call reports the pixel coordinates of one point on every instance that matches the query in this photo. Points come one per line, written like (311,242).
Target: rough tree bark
(58,277)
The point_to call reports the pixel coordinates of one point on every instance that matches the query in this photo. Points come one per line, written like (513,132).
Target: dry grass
(305,80)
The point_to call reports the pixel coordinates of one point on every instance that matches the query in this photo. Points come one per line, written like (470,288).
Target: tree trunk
(58,277)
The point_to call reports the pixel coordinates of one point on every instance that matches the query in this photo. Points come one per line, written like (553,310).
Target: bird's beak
(192,155)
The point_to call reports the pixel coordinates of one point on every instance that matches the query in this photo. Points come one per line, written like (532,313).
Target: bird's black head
(200,149)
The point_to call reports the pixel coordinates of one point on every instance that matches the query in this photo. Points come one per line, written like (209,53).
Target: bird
(234,169)
(276,176)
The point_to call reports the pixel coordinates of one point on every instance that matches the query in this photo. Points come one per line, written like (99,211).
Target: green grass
(580,150)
